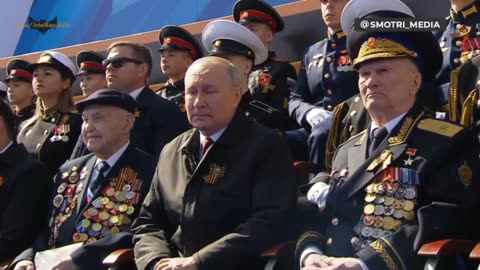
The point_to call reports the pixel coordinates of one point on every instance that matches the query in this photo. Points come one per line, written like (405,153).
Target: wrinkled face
(105,128)
(174,63)
(91,82)
(129,74)
(389,86)
(47,81)
(262,31)
(211,98)
(19,92)
(331,12)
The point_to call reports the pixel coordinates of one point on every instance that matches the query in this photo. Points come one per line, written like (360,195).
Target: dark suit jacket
(36,134)
(223,209)
(25,185)
(90,255)
(437,158)
(157,123)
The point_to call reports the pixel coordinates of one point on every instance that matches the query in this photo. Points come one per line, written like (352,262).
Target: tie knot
(102,167)
(380,132)
(207,142)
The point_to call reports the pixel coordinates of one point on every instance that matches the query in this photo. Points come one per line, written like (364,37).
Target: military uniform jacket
(223,209)
(24,114)
(419,185)
(326,78)
(97,222)
(271,82)
(174,92)
(459,39)
(157,122)
(51,139)
(25,185)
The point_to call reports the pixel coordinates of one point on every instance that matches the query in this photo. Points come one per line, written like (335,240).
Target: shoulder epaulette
(439,127)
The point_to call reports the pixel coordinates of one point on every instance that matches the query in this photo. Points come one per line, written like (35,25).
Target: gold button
(329,91)
(357,99)
(334,45)
(334,221)
(329,59)
(458,43)
(355,241)
(53,120)
(327,75)
(38,146)
(45,132)
(329,241)
(329,107)
(456,60)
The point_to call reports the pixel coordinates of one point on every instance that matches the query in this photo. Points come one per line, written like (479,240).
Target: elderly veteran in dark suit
(222,191)
(409,178)
(25,185)
(96,197)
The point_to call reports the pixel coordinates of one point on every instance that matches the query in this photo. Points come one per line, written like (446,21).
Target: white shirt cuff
(309,250)
(363,265)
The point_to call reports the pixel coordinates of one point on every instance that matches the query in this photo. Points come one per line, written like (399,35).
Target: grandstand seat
(447,254)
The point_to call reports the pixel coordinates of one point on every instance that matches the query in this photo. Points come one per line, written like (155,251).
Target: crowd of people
(199,174)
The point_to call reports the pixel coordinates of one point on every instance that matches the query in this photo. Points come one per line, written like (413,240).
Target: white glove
(319,118)
(318,193)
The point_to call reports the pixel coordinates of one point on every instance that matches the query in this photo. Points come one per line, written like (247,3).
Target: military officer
(392,184)
(20,91)
(236,43)
(269,82)
(461,38)
(97,196)
(25,185)
(52,132)
(326,79)
(91,72)
(178,49)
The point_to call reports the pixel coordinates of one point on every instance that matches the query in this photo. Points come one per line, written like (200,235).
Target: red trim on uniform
(21,72)
(256,13)
(183,43)
(91,64)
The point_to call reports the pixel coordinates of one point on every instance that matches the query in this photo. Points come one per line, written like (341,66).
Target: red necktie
(206,144)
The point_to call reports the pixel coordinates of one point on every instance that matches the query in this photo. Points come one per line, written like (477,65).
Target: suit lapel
(357,153)
(80,199)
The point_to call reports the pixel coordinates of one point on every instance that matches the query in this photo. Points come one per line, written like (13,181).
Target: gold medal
(369,209)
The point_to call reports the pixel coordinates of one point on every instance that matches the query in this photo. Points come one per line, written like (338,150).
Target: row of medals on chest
(388,204)
(104,215)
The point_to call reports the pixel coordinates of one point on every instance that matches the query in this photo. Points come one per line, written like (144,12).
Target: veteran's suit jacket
(90,255)
(157,122)
(326,78)
(441,157)
(25,185)
(223,209)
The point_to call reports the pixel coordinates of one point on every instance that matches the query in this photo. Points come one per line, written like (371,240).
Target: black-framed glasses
(118,62)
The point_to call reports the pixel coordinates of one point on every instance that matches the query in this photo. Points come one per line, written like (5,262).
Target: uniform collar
(180,84)
(336,36)
(465,12)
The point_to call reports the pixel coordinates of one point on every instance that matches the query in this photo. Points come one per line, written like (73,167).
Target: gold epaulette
(334,139)
(439,127)
(453,96)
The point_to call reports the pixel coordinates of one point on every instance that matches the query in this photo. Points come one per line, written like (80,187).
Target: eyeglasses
(118,62)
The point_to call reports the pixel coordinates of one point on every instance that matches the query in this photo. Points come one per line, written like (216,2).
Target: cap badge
(218,43)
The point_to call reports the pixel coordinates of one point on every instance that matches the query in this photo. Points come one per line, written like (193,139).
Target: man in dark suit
(223,190)
(96,197)
(157,121)
(409,178)
(271,81)
(25,185)
(326,78)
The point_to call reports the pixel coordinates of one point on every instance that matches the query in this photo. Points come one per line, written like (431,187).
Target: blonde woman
(52,132)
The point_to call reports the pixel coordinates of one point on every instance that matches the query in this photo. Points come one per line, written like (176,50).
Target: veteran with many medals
(52,132)
(96,197)
(406,180)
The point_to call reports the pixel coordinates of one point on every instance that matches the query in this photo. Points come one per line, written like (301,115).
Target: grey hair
(231,71)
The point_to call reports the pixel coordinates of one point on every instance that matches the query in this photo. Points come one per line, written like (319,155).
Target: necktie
(96,183)
(378,135)
(206,144)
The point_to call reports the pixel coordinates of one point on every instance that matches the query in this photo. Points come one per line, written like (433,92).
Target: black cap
(17,69)
(177,38)
(228,46)
(257,11)
(108,97)
(90,62)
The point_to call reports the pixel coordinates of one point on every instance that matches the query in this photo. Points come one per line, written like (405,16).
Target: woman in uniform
(20,91)
(52,132)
